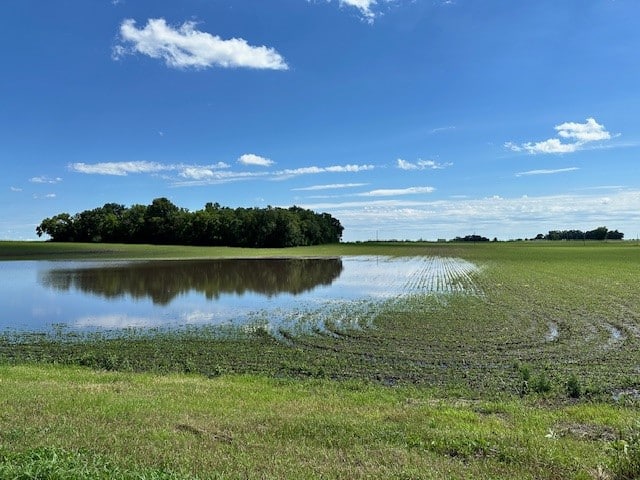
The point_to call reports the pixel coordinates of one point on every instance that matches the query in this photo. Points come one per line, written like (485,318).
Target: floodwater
(76,296)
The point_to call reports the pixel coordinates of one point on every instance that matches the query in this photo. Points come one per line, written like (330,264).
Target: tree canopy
(162,222)
(600,233)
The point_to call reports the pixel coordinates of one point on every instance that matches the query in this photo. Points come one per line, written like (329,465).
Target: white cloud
(45,179)
(441,129)
(349,168)
(252,159)
(516,217)
(333,186)
(421,165)
(553,145)
(15,189)
(590,131)
(364,6)
(288,173)
(397,191)
(199,176)
(119,168)
(579,133)
(47,196)
(547,172)
(197,173)
(186,47)
(202,172)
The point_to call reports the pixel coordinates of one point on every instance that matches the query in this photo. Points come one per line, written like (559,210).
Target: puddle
(615,334)
(552,334)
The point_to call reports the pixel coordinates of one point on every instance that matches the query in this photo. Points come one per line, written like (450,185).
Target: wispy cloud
(421,165)
(368,10)
(333,186)
(47,196)
(194,175)
(547,172)
(185,47)
(119,168)
(364,6)
(197,173)
(578,134)
(45,179)
(433,131)
(15,189)
(313,170)
(252,159)
(392,192)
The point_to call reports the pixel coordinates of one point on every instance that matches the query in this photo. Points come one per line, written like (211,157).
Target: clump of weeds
(625,455)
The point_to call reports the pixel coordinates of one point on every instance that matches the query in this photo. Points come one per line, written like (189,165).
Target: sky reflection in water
(84,296)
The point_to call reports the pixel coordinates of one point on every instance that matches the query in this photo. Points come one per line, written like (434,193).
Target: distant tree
(162,222)
(471,238)
(600,233)
(615,235)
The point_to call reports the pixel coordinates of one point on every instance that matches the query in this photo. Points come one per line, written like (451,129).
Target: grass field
(536,377)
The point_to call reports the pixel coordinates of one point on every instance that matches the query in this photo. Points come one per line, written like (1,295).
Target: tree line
(600,233)
(162,222)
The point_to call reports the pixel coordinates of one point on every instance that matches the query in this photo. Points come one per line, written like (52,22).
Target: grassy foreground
(66,422)
(537,377)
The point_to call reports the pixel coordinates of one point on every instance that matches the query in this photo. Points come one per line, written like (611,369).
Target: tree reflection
(162,281)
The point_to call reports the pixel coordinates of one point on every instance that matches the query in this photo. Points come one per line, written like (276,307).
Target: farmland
(534,352)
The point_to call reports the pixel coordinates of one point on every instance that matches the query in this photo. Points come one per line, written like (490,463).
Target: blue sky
(404,119)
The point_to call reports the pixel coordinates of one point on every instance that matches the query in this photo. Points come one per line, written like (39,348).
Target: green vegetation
(164,223)
(76,423)
(535,376)
(600,233)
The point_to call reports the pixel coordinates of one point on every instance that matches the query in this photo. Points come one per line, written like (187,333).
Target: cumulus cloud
(185,47)
(590,131)
(421,165)
(391,192)
(252,159)
(578,134)
(546,171)
(118,168)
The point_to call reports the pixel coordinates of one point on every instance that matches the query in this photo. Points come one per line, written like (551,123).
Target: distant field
(547,312)
(537,375)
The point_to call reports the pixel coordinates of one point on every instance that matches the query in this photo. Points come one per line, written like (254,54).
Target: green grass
(73,420)
(536,377)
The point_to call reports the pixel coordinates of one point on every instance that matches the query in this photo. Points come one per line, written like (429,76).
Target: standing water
(42,296)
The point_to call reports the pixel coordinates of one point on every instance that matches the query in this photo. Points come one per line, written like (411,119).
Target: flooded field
(40,296)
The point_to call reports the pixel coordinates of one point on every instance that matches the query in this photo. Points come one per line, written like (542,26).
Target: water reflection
(163,281)
(233,293)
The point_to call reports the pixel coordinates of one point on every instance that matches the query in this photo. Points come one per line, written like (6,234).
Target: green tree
(60,228)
